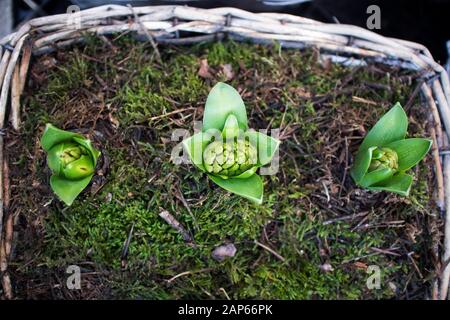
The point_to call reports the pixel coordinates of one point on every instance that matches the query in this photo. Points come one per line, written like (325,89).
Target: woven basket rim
(345,44)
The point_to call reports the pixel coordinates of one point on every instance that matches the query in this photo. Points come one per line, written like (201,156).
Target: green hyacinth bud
(384,158)
(230,158)
(70,160)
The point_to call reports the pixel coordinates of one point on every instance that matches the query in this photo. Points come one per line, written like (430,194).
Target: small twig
(147,34)
(444,265)
(170,219)
(283,117)
(360,257)
(109,64)
(413,95)
(362,100)
(438,168)
(170,113)
(7,288)
(436,121)
(445,276)
(326,191)
(180,196)
(5,242)
(349,217)
(97,116)
(15,98)
(1,188)
(187,273)
(415,264)
(9,233)
(225,293)
(323,98)
(280,257)
(384,251)
(3,260)
(24,65)
(345,168)
(126,245)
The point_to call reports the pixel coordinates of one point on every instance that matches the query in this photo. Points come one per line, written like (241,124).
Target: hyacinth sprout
(226,150)
(385,155)
(71,159)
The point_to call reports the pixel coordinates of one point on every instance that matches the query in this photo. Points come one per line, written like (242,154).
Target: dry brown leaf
(113,120)
(301,92)
(48,62)
(227,71)
(165,140)
(360,265)
(326,267)
(204,71)
(326,63)
(224,251)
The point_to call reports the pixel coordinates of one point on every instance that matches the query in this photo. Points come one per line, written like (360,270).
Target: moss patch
(328,231)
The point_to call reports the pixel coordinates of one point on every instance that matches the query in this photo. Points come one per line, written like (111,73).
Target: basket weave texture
(182,25)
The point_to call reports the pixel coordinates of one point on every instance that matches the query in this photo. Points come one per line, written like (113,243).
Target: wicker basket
(345,44)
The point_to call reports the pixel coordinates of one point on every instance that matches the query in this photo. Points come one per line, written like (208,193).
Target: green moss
(281,89)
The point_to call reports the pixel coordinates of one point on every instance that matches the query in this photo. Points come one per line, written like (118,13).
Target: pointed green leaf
(410,151)
(361,164)
(399,183)
(88,145)
(246,174)
(250,188)
(53,161)
(231,128)
(391,127)
(266,146)
(52,136)
(222,101)
(68,190)
(376,176)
